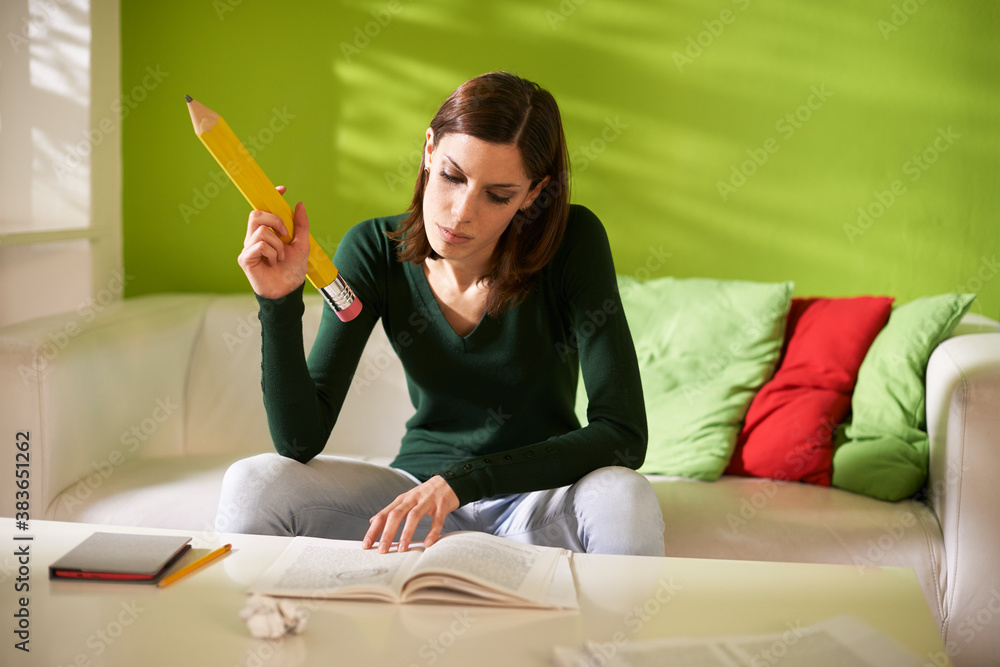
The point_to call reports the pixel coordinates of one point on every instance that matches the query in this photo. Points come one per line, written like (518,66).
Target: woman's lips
(452,237)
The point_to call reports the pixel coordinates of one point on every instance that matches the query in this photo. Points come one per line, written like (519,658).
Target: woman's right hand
(273,268)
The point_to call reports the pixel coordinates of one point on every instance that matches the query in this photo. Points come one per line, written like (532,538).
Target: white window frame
(103,231)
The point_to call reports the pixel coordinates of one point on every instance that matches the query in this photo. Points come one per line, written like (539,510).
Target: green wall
(730,139)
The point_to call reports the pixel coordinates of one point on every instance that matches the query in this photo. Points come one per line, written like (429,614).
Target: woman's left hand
(433,497)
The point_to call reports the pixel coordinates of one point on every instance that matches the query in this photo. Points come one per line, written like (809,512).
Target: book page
(522,570)
(562,590)
(454,590)
(314,567)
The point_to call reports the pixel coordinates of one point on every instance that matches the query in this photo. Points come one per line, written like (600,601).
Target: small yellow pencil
(191,567)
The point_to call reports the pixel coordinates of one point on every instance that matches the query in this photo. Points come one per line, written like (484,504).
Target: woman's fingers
(258,252)
(385,525)
(434,498)
(437,525)
(259,219)
(301,221)
(274,262)
(264,236)
(410,527)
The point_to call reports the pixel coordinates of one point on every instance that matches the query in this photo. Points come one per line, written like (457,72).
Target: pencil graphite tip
(189,98)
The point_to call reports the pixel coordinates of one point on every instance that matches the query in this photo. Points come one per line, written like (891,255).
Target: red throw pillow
(788,431)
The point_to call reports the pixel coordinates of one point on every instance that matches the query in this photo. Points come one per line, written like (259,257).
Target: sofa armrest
(94,388)
(963,422)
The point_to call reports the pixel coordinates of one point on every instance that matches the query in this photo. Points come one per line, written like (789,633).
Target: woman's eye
(495,198)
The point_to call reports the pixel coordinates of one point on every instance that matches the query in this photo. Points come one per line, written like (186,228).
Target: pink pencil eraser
(349,313)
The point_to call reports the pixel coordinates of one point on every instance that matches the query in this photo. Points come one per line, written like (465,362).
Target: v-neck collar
(433,308)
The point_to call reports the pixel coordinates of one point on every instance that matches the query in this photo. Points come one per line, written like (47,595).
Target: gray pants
(612,510)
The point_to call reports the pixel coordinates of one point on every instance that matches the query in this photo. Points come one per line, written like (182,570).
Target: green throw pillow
(705,347)
(887,448)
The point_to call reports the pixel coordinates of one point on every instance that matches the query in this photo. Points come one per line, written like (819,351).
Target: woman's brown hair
(503,108)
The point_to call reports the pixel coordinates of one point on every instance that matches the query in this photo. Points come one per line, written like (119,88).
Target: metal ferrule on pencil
(338,294)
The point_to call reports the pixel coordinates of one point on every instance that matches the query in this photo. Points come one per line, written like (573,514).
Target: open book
(460,568)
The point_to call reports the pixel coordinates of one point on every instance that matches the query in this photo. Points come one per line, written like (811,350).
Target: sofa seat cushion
(740,518)
(171,492)
(179,492)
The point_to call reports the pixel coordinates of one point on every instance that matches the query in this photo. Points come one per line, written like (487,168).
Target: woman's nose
(464,207)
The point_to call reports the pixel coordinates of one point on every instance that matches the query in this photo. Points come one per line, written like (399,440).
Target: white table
(195,621)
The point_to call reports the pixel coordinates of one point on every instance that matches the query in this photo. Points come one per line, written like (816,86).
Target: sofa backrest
(160,376)
(171,375)
(224,408)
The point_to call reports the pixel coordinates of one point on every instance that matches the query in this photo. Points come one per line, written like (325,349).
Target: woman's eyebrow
(512,186)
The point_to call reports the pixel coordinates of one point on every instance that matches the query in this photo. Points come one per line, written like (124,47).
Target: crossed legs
(610,510)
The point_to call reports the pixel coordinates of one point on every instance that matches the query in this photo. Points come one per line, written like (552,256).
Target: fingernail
(367,544)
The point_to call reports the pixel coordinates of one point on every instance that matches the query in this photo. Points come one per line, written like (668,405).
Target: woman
(484,287)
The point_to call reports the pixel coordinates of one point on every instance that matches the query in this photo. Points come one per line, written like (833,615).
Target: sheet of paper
(842,641)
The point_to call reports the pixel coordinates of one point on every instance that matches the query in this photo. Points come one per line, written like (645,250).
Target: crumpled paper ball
(269,618)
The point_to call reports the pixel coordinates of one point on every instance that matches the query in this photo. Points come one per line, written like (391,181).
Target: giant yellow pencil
(251,181)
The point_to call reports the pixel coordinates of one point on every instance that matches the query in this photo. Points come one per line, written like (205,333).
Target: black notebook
(121,557)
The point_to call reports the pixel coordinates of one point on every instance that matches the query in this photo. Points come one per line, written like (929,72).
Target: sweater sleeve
(616,434)
(303,398)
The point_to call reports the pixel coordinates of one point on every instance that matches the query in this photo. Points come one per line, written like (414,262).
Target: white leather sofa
(134,413)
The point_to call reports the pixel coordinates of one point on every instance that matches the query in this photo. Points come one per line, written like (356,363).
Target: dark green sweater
(494,410)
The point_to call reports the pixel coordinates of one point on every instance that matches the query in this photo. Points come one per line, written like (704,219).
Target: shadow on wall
(838,146)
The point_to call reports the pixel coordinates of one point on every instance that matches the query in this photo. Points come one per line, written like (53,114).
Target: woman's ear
(535,191)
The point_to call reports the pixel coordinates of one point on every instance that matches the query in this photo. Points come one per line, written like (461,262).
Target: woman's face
(473,190)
